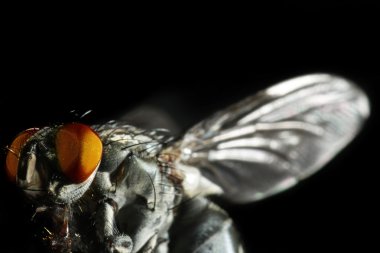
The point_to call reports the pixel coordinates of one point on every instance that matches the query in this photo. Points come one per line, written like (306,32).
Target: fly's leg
(150,245)
(203,227)
(107,230)
(156,244)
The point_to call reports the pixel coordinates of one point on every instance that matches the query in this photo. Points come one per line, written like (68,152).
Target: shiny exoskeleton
(117,188)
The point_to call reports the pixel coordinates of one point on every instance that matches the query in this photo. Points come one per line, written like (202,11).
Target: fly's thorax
(130,159)
(140,182)
(119,140)
(155,197)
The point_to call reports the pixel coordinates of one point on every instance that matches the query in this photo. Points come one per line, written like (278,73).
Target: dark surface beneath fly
(194,72)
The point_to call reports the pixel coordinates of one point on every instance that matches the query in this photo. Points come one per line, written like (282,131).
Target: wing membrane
(268,142)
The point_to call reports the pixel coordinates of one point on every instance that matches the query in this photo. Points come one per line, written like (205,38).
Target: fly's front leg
(107,230)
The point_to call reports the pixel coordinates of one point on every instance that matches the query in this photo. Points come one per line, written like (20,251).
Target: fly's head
(55,166)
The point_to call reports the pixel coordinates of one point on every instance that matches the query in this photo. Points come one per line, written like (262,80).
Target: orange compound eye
(14,151)
(79,151)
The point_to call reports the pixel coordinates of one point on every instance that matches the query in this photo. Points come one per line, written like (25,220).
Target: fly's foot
(119,244)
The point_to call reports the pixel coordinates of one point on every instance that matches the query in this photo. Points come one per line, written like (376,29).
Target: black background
(194,61)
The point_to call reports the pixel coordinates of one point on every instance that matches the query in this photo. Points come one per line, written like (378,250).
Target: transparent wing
(268,142)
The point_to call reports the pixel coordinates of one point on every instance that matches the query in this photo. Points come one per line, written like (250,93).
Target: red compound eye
(79,151)
(14,150)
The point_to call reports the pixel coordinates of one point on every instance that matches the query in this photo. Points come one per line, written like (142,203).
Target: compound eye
(79,151)
(14,150)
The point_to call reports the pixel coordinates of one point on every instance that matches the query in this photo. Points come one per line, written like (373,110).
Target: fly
(117,188)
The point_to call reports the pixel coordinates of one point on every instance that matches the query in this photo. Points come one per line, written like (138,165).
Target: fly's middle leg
(107,230)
